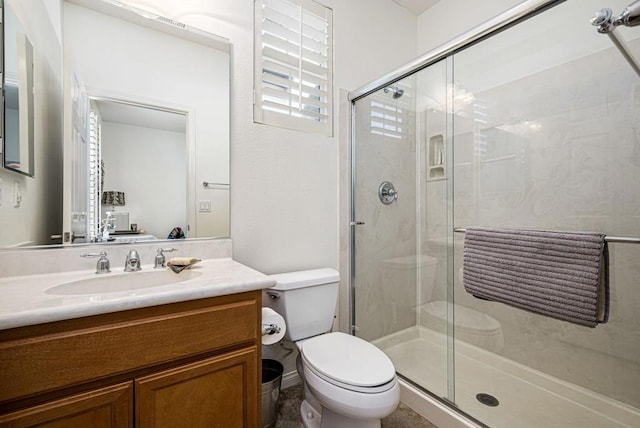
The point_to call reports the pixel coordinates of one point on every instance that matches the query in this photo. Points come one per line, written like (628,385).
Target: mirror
(160,72)
(17,85)
(124,135)
(113,53)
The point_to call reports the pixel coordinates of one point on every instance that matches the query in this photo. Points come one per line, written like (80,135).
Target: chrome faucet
(132,262)
(103,265)
(160,259)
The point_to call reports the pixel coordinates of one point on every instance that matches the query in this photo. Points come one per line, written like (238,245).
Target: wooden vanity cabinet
(188,364)
(111,406)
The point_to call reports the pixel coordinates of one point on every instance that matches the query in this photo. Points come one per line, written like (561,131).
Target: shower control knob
(387,193)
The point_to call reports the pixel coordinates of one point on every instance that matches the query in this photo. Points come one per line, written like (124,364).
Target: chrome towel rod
(209,183)
(618,239)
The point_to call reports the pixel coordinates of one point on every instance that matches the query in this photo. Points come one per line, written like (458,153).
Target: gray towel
(563,275)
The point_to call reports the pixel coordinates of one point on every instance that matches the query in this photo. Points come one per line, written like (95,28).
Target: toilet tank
(306,300)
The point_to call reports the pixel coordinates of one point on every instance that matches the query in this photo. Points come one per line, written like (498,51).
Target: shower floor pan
(528,398)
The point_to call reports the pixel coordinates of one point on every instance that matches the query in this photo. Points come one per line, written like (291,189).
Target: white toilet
(348,382)
(471,326)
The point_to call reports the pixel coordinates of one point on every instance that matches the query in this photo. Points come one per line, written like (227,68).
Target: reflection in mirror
(134,199)
(183,72)
(17,84)
(31,206)
(113,52)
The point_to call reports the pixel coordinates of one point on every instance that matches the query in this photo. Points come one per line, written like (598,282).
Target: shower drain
(487,399)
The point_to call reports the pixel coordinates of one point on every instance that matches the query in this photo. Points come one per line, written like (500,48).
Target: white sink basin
(110,283)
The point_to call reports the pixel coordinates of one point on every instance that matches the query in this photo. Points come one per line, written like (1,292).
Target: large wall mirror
(145,152)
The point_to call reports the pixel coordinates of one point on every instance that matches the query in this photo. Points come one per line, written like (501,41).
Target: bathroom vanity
(191,362)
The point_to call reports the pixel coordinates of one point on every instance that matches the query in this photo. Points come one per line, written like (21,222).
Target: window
(294,65)
(95,174)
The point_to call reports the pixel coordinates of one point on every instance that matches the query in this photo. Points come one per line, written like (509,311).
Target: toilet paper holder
(270,329)
(273,326)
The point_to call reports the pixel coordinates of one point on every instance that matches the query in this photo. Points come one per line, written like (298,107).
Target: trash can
(271,380)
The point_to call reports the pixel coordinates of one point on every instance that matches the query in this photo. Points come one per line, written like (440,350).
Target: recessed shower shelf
(436,169)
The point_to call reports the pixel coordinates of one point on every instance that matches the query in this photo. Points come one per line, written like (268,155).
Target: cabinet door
(220,392)
(105,407)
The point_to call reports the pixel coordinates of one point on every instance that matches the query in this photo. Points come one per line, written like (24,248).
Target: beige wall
(284,203)
(284,198)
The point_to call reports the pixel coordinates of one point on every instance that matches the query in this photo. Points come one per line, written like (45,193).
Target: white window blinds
(294,65)
(95,174)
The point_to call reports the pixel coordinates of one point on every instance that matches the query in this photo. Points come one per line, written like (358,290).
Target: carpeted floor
(289,413)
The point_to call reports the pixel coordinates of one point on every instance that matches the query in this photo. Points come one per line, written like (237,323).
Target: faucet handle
(133,254)
(160,259)
(103,265)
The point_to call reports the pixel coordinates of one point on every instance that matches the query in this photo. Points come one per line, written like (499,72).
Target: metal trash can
(271,380)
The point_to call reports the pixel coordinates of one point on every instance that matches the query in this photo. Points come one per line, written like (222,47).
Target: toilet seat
(348,362)
(353,404)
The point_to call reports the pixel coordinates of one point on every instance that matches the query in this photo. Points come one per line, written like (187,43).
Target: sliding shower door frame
(489,28)
(493,26)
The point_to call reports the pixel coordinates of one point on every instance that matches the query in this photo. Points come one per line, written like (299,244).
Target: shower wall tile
(560,150)
(385,288)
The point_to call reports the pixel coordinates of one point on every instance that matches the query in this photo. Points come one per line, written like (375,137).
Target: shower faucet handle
(387,193)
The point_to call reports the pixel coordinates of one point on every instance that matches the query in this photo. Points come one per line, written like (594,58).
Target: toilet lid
(348,360)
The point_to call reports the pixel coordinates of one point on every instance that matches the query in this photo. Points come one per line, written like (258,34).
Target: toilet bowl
(350,377)
(471,326)
(348,382)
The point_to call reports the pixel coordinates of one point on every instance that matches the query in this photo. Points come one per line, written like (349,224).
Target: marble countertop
(35,299)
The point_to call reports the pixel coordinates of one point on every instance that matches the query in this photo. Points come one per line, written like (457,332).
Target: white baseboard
(431,409)
(290,379)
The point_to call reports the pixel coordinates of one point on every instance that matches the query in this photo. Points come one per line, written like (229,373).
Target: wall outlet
(17,194)
(204,206)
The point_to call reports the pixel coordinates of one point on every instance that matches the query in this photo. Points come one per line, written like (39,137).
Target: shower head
(395,91)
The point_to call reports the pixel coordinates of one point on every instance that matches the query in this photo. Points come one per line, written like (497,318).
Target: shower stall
(530,121)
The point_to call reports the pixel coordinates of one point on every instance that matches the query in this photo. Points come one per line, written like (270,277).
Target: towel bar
(616,239)
(209,183)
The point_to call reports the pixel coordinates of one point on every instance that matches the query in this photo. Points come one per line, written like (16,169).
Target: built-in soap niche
(436,163)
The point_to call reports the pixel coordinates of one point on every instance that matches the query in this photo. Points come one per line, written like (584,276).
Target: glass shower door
(546,137)
(400,261)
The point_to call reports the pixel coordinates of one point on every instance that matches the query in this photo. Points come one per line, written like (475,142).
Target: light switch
(17,194)
(204,206)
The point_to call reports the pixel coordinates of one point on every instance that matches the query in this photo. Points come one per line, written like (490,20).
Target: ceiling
(140,116)
(416,6)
